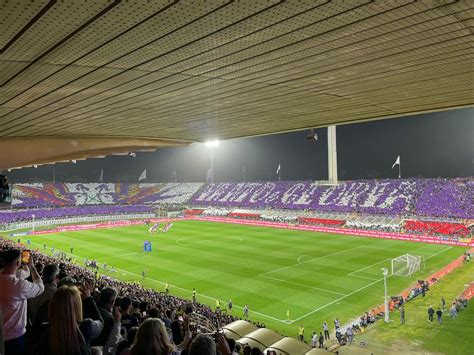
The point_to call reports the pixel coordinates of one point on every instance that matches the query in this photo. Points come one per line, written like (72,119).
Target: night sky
(430,145)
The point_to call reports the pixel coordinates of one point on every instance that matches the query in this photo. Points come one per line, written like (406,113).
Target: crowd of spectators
(4,188)
(96,312)
(26,215)
(386,224)
(437,228)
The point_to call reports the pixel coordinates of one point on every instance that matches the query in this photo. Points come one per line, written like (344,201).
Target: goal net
(406,265)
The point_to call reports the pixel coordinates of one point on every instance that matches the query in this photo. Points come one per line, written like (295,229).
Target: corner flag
(397,162)
(142,176)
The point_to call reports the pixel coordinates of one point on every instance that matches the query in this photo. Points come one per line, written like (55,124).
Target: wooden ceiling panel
(188,70)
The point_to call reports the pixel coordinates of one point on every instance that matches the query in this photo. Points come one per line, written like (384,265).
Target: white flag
(142,176)
(101,177)
(279,168)
(397,162)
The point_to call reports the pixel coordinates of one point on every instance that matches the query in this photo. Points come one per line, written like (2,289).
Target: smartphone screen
(25,256)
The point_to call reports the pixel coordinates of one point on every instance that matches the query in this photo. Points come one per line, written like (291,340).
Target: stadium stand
(423,197)
(14,216)
(75,194)
(437,228)
(4,188)
(388,224)
(433,206)
(321,221)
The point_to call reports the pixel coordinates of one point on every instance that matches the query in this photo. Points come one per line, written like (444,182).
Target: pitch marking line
(336,300)
(302,285)
(356,291)
(442,251)
(364,268)
(310,260)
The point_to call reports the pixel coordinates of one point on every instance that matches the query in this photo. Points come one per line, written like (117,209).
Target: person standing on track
(246,311)
(229,306)
(321,340)
(314,340)
(167,288)
(194,295)
(430,313)
(301,333)
(326,331)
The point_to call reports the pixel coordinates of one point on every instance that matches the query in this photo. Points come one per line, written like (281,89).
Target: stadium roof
(184,71)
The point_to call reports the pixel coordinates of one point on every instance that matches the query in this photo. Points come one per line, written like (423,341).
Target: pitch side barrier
(346,231)
(91,226)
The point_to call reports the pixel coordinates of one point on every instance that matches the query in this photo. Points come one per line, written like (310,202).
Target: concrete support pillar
(332,154)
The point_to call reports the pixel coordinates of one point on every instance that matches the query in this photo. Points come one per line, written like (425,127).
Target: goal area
(407,265)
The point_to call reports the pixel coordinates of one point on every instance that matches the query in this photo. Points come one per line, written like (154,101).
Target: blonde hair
(65,313)
(152,339)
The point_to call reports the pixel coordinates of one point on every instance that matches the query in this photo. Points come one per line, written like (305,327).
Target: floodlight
(312,135)
(133,154)
(212,144)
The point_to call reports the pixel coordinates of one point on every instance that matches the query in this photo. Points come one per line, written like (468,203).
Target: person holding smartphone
(13,299)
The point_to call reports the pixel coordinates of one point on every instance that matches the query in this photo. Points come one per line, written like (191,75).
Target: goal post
(407,265)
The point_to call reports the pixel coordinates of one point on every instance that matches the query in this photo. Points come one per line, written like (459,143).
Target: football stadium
(236,177)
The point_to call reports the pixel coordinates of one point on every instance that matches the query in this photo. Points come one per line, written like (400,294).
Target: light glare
(212,144)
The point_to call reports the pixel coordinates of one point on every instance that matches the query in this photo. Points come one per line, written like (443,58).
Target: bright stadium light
(212,144)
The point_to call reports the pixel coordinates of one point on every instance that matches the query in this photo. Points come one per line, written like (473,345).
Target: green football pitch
(314,277)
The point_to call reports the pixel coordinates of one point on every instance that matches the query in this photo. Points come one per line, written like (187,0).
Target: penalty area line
(358,290)
(302,285)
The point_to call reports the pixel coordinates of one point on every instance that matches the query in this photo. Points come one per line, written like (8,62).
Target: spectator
(39,304)
(13,300)
(128,320)
(202,344)
(151,338)
(67,331)
(110,334)
(237,349)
